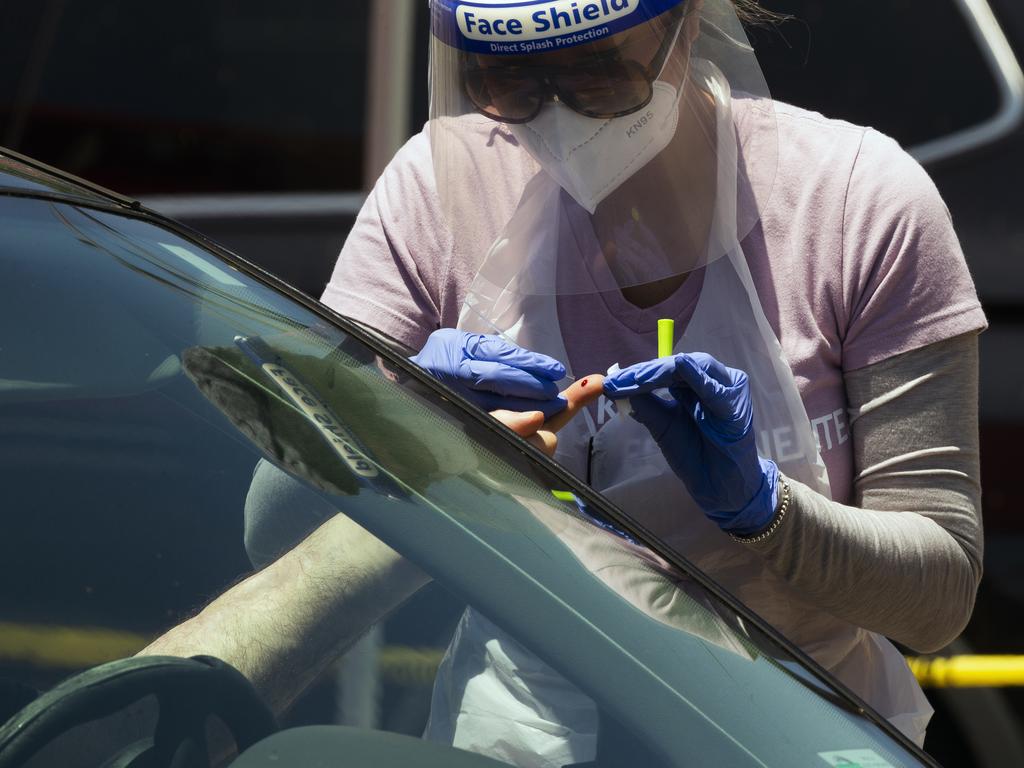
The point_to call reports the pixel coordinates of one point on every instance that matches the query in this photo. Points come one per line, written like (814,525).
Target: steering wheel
(188,691)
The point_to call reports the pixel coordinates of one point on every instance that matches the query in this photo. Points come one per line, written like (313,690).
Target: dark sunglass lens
(504,94)
(606,90)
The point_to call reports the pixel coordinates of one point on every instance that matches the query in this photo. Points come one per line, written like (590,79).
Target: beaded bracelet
(776,521)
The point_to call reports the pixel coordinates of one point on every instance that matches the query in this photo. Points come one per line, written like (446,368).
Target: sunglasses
(603,85)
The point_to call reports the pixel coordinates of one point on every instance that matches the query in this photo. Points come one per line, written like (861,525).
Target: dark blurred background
(261,123)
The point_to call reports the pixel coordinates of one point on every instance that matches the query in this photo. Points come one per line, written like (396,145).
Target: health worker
(811,443)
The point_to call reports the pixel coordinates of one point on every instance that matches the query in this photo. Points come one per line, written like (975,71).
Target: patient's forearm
(283,625)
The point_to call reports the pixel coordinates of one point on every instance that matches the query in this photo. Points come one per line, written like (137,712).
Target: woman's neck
(651,294)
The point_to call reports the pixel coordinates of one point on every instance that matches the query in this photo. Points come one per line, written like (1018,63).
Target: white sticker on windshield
(855,758)
(203,265)
(341,439)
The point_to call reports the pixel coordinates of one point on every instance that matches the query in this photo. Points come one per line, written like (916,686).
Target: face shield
(610,125)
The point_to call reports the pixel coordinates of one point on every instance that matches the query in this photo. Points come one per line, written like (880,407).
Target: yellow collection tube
(666,337)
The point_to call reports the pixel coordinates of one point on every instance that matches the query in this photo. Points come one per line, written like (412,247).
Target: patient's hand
(531,425)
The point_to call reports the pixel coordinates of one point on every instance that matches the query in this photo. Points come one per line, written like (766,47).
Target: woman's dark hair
(751,12)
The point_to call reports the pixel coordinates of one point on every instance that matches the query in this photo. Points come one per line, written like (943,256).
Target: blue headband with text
(514,28)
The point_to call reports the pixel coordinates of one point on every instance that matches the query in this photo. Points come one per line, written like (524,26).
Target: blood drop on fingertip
(583,383)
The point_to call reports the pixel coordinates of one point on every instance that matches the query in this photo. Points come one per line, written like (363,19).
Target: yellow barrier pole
(59,647)
(69,647)
(968,671)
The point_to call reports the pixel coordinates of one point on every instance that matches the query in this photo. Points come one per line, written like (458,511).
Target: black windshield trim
(85,201)
(94,193)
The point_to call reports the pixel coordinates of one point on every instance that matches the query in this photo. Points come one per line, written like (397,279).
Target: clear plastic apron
(628,467)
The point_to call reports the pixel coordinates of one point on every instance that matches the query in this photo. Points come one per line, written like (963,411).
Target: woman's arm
(906,559)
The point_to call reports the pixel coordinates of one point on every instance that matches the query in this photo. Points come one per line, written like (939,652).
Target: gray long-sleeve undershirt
(906,559)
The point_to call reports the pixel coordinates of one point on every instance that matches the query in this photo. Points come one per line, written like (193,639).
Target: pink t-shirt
(854,260)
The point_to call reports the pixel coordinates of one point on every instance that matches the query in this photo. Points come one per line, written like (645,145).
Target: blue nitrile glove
(706,434)
(492,373)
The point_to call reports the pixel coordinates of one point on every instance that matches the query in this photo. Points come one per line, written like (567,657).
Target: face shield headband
(501,28)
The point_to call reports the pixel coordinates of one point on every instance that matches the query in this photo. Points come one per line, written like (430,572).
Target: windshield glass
(171,424)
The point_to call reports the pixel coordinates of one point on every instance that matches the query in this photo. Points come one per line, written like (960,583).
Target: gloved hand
(706,434)
(492,373)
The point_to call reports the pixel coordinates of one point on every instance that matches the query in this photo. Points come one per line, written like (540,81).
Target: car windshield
(171,422)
